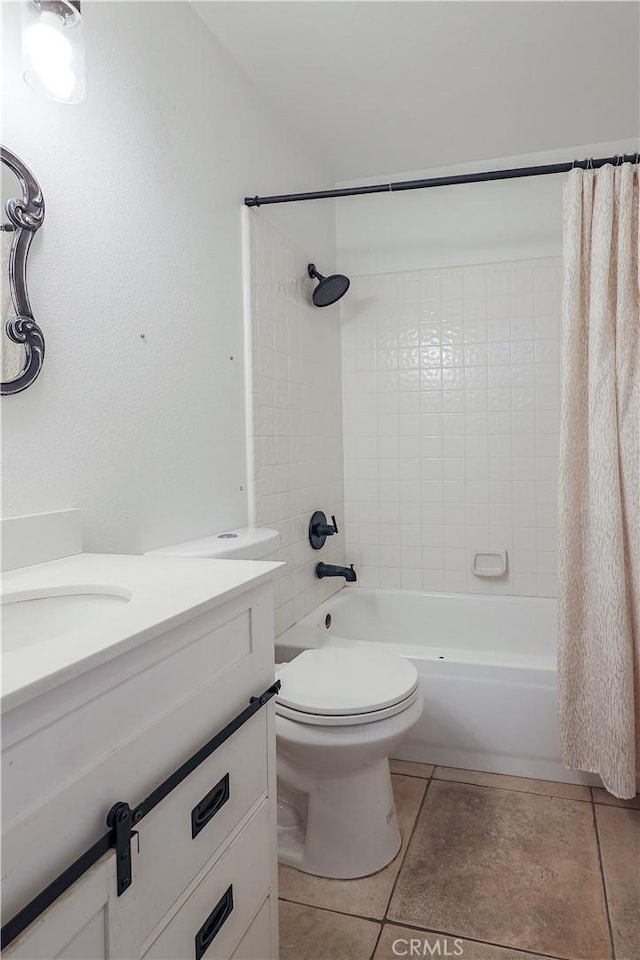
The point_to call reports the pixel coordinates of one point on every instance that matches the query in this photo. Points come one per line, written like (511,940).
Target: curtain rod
(443,181)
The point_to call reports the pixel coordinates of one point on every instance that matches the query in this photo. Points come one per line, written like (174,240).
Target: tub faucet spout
(331,570)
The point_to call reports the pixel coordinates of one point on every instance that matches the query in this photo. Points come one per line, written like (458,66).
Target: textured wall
(464,224)
(295,416)
(143,184)
(451,418)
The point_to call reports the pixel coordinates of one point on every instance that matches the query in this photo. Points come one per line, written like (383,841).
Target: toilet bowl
(340,713)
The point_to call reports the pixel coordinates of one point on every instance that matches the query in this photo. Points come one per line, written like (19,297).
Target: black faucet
(331,570)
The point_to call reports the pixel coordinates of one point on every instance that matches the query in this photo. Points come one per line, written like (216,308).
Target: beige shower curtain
(599,495)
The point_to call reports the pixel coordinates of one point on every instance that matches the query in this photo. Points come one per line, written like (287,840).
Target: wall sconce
(53,48)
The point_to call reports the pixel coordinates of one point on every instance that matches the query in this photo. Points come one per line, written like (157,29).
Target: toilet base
(343,825)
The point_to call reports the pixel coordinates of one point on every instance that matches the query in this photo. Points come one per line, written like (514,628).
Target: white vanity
(116,671)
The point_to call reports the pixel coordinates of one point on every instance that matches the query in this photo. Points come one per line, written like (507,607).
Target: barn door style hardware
(122,820)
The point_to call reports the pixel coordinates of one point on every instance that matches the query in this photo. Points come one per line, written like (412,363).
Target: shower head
(329,289)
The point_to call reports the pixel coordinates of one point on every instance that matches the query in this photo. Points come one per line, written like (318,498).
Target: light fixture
(53,48)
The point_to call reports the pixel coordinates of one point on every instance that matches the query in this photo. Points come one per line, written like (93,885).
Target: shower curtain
(599,490)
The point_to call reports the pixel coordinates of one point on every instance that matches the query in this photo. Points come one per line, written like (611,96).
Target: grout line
(410,838)
(620,805)
(386,921)
(604,882)
(375,946)
(341,913)
(487,786)
(488,943)
(414,776)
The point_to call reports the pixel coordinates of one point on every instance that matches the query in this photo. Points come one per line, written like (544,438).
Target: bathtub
(487,668)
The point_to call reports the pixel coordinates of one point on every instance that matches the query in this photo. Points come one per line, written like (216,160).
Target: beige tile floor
(491,868)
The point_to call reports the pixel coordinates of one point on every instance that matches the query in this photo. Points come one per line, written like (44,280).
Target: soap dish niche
(490,563)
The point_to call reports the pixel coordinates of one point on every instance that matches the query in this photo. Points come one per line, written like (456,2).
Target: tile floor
(491,868)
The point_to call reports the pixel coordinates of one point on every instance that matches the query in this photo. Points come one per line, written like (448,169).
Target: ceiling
(385,87)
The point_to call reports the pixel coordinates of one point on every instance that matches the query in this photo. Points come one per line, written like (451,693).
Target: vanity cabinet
(204,860)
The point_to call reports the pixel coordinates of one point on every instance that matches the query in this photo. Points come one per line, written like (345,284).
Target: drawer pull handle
(209,806)
(214,923)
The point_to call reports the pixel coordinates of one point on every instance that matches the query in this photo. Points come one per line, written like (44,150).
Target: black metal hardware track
(482,177)
(120,821)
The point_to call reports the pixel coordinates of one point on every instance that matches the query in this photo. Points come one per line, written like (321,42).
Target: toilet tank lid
(243,543)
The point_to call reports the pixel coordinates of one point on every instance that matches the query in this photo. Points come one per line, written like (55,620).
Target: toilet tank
(244,543)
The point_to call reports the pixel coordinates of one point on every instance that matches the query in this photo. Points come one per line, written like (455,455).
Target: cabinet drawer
(184,831)
(123,731)
(257,941)
(212,921)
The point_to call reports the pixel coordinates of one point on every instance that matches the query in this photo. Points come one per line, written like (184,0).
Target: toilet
(340,714)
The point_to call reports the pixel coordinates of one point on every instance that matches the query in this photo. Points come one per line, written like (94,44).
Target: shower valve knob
(327,530)
(319,529)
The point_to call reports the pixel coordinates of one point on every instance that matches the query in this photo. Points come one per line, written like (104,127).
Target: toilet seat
(346,720)
(342,686)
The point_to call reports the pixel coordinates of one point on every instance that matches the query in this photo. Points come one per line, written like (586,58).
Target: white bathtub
(487,667)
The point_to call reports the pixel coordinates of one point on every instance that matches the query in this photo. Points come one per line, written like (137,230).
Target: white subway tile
(498,331)
(524,584)
(498,306)
(499,351)
(547,326)
(454,537)
(433,580)
(432,558)
(455,581)
(432,512)
(547,350)
(495,423)
(411,579)
(547,585)
(432,536)
(523,351)
(522,305)
(546,302)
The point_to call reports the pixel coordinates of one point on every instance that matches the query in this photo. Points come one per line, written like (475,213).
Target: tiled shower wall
(294,416)
(451,422)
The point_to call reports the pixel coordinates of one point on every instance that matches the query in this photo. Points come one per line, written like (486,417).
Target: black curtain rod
(514,174)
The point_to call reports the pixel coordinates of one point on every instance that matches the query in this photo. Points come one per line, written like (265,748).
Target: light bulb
(53,49)
(50,54)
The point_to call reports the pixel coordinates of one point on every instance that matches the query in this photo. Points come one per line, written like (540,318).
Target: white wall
(464,224)
(143,184)
(295,422)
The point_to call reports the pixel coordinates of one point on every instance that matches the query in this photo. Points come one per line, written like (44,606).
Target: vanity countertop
(136,598)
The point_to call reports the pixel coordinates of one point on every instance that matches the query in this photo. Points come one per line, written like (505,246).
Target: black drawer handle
(214,923)
(209,805)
